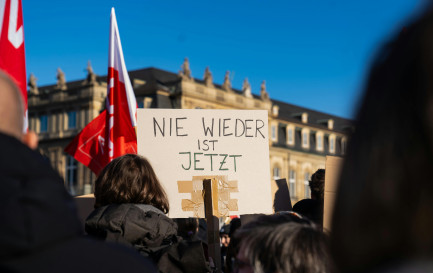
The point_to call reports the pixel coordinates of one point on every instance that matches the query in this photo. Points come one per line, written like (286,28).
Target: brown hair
(130,179)
(286,247)
(317,184)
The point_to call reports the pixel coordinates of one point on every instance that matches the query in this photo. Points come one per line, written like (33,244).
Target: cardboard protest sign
(333,167)
(229,146)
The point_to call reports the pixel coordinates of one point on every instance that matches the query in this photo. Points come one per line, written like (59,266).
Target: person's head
(12,112)
(224,235)
(317,184)
(130,179)
(286,247)
(262,221)
(384,205)
(235,223)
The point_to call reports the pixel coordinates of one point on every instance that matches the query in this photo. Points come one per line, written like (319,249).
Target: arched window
(276,173)
(292,183)
(306,185)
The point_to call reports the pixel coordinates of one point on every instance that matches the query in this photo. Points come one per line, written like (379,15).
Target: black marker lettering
(178,127)
(258,128)
(155,123)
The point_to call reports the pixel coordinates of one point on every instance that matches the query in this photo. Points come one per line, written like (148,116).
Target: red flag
(12,57)
(112,133)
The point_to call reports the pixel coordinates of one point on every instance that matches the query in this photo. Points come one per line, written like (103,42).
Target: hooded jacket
(150,232)
(39,227)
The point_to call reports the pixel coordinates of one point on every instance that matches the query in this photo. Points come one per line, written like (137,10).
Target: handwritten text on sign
(182,144)
(211,127)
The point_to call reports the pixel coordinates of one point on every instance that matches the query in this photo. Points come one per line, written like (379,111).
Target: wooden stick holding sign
(210,189)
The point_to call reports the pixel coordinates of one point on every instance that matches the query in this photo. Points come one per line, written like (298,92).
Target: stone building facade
(299,138)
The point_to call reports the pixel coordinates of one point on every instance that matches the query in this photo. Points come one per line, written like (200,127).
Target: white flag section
(121,103)
(187,146)
(117,62)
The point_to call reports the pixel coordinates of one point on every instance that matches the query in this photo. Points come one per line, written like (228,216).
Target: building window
(273,133)
(276,173)
(305,138)
(72,119)
(306,185)
(275,109)
(147,102)
(304,117)
(319,139)
(292,183)
(290,136)
(343,146)
(332,144)
(43,123)
(71,175)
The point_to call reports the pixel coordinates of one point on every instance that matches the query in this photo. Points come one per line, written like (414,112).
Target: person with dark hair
(130,208)
(383,213)
(313,208)
(260,220)
(130,179)
(278,246)
(40,230)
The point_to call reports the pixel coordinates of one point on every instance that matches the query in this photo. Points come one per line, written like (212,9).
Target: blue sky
(311,53)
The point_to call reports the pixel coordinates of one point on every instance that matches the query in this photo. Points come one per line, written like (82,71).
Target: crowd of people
(382,221)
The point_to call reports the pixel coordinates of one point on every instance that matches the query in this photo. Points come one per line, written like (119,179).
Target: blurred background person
(281,243)
(40,230)
(383,217)
(313,208)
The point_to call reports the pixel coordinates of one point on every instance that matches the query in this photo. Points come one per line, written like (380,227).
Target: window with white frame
(274,133)
(276,173)
(306,185)
(43,123)
(71,175)
(275,110)
(304,117)
(292,183)
(305,138)
(332,144)
(319,141)
(290,135)
(72,119)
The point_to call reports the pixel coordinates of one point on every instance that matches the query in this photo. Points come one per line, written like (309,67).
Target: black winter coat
(150,232)
(39,227)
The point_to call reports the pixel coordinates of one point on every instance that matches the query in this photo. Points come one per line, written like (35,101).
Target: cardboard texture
(333,168)
(185,146)
(84,205)
(221,189)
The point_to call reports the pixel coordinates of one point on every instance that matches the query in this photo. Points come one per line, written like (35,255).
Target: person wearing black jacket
(130,207)
(40,230)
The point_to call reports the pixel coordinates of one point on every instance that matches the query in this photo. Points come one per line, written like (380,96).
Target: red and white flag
(112,133)
(12,55)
